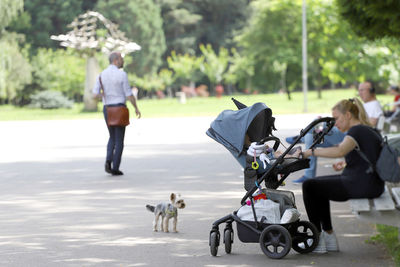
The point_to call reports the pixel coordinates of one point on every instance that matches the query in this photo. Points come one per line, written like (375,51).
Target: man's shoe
(330,241)
(108,166)
(301,180)
(117,172)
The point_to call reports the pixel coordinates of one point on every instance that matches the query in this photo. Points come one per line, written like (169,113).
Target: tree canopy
(372,19)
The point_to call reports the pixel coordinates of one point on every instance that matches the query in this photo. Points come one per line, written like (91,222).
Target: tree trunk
(92,71)
(284,84)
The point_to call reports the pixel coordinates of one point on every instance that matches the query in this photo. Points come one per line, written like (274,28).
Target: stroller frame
(275,240)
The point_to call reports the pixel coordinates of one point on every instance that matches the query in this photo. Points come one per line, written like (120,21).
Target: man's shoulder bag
(116,115)
(388,164)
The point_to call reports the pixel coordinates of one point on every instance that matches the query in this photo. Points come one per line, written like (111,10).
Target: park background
(245,46)
(252,48)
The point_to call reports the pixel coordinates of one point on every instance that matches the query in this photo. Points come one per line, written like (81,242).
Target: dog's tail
(150,208)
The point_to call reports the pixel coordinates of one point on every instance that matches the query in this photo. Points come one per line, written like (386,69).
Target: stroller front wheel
(228,240)
(214,243)
(275,241)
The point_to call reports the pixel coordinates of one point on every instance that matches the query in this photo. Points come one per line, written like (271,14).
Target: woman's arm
(347,145)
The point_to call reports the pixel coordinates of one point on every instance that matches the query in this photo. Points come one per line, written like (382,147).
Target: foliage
(335,53)
(60,70)
(184,66)
(273,42)
(214,65)
(142,23)
(50,100)
(15,70)
(372,19)
(181,28)
(8,10)
(389,236)
(221,20)
(43,18)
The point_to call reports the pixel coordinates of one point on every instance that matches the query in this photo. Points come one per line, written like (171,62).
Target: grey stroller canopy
(231,126)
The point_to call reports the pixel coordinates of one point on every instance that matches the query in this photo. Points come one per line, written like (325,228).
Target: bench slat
(396,195)
(360,204)
(384,202)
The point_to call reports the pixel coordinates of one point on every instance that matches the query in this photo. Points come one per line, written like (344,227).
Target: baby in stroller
(244,133)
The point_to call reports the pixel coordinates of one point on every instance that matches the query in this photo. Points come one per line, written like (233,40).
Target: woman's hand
(277,154)
(338,166)
(307,153)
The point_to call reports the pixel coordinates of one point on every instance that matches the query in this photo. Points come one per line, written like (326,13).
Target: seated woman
(354,181)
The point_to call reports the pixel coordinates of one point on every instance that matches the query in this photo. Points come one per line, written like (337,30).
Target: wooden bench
(382,210)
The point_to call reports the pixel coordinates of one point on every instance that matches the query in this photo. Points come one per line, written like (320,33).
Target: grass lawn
(210,106)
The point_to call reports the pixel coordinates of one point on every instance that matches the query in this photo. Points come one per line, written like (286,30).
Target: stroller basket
(247,230)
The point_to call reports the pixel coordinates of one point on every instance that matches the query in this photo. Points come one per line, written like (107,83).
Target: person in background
(354,181)
(367,93)
(395,91)
(116,91)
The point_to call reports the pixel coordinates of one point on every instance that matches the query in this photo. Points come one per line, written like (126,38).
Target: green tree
(240,70)
(141,21)
(8,10)
(336,53)
(185,67)
(214,65)
(273,41)
(43,18)
(15,70)
(372,19)
(60,70)
(14,67)
(221,20)
(180,27)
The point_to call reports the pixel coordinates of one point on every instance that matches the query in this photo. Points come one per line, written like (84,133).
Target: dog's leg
(162,223)
(175,223)
(155,223)
(166,224)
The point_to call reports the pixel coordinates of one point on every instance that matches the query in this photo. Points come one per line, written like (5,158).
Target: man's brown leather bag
(117,116)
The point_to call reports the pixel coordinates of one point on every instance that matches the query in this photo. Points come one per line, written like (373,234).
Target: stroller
(276,239)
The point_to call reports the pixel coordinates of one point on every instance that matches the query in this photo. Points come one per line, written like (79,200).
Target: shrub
(50,100)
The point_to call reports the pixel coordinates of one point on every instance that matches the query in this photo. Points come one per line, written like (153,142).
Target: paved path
(59,208)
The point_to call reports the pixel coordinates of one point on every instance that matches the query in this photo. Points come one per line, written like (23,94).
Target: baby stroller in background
(276,240)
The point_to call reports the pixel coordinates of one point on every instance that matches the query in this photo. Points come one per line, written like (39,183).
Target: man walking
(115,85)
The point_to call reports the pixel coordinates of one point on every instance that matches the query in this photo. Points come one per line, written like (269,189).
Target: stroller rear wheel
(228,240)
(214,243)
(275,241)
(305,237)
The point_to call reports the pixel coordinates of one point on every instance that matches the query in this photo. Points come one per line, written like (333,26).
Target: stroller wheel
(305,237)
(228,240)
(214,243)
(275,241)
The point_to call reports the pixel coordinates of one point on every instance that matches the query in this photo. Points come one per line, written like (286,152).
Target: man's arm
(132,99)
(373,121)
(96,92)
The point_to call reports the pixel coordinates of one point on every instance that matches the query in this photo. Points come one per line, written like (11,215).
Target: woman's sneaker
(330,241)
(321,247)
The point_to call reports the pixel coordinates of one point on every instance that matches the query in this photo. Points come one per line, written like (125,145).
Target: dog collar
(172,213)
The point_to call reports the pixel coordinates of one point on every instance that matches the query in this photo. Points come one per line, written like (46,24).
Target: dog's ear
(172,197)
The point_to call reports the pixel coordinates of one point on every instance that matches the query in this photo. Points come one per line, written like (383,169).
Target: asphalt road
(59,207)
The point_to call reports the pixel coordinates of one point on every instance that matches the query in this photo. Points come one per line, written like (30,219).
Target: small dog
(166,211)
